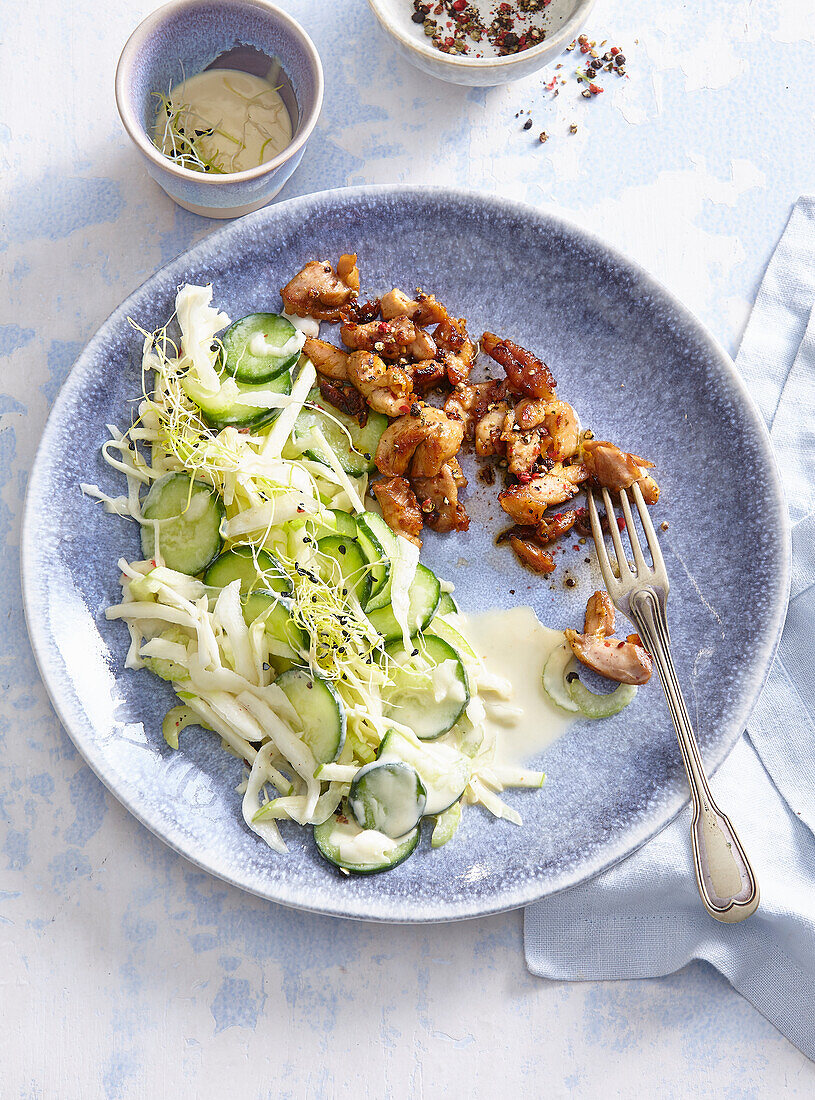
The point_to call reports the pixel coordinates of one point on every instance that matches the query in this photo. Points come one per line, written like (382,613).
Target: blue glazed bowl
(184,37)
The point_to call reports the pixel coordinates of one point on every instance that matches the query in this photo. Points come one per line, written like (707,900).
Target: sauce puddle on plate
(515,645)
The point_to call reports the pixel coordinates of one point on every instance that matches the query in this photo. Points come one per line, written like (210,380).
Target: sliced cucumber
(260,346)
(446,826)
(239,564)
(340,523)
(554,677)
(447,605)
(344,565)
(177,719)
(450,635)
(224,409)
(356,457)
(378,560)
(319,708)
(377,532)
(599,706)
(444,771)
(388,797)
(424,599)
(286,638)
(342,842)
(428,688)
(190,531)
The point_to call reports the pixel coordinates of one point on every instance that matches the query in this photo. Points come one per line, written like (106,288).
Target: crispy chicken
(321,292)
(438,497)
(390,339)
(626,661)
(526,374)
(614,469)
(327,359)
(387,388)
(400,508)
(526,503)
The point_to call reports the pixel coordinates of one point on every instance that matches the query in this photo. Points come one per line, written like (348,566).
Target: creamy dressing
(260,346)
(514,646)
(236,121)
(355,845)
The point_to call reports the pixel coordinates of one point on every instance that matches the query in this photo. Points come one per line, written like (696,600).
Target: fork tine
(648,527)
(599,543)
(622,560)
(639,557)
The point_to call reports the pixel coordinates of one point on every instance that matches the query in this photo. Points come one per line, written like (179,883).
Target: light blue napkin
(643,917)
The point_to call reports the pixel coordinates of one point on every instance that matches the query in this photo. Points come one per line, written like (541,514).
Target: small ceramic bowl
(562,20)
(183,38)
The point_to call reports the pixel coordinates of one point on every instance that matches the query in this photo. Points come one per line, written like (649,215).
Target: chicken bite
(327,359)
(439,501)
(527,503)
(424,439)
(615,470)
(390,339)
(625,661)
(387,388)
(318,291)
(526,374)
(400,508)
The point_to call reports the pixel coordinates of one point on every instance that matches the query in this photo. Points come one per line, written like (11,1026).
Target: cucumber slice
(429,688)
(444,771)
(594,705)
(446,826)
(239,564)
(356,457)
(449,634)
(378,559)
(286,637)
(375,529)
(447,605)
(224,410)
(554,677)
(259,347)
(340,523)
(190,532)
(342,842)
(424,599)
(344,565)
(388,797)
(319,708)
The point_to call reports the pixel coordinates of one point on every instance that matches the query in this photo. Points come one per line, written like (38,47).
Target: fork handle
(726,881)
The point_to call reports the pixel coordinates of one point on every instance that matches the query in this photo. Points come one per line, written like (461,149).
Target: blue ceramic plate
(639,369)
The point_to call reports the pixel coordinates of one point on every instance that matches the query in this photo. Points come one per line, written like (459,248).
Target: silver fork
(725,878)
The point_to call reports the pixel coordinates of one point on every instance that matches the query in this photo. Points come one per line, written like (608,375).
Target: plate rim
(532,890)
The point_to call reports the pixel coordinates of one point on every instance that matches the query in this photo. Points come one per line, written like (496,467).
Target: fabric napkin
(643,917)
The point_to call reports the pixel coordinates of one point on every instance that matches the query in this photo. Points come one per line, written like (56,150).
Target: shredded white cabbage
(224,667)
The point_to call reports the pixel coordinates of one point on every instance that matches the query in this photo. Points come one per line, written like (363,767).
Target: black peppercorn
(528,124)
(619,60)
(511,40)
(418,17)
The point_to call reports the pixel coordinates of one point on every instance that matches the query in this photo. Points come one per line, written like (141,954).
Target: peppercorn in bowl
(480,43)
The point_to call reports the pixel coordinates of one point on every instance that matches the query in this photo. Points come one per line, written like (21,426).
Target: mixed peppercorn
(458,27)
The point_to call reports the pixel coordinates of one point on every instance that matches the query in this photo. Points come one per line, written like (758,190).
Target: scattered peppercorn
(573,128)
(528,124)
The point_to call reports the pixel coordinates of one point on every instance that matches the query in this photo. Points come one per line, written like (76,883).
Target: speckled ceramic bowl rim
(511,898)
(133,124)
(562,37)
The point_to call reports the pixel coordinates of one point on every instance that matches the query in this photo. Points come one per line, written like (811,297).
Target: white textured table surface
(125,971)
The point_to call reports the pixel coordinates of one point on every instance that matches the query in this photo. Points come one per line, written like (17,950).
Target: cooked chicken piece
(457,349)
(442,442)
(554,526)
(398,443)
(599,614)
(564,430)
(426,374)
(527,503)
(470,401)
(388,389)
(397,304)
(390,339)
(439,501)
(400,508)
(320,292)
(527,374)
(348,272)
(430,311)
(539,560)
(345,397)
(522,448)
(623,661)
(327,359)
(615,470)
(489,429)
(530,412)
